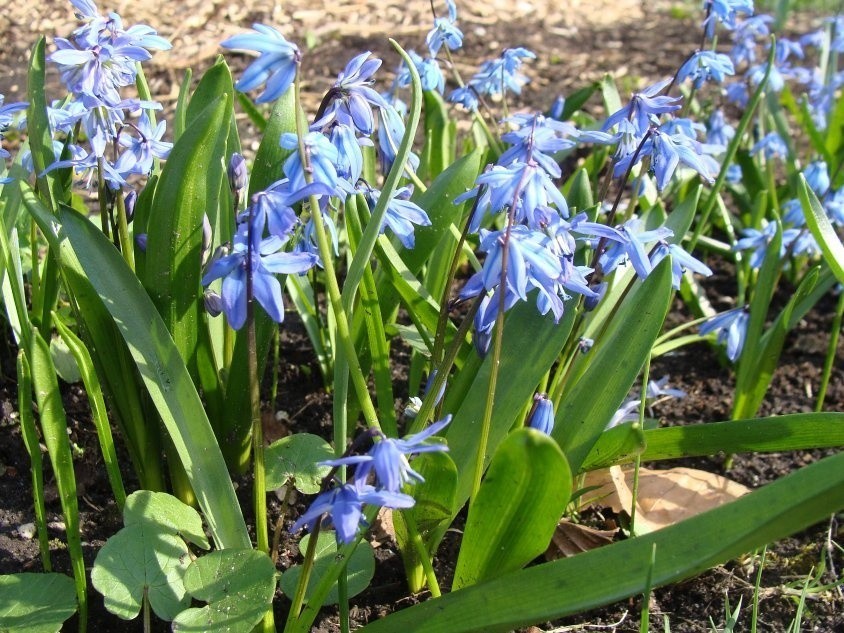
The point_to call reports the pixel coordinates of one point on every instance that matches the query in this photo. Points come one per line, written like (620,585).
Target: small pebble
(26,531)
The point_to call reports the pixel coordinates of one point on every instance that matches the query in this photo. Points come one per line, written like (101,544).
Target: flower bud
(129,204)
(541,416)
(141,242)
(590,303)
(237,172)
(213,303)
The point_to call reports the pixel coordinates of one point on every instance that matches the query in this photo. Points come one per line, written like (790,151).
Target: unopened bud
(141,241)
(207,236)
(238,174)
(129,204)
(590,303)
(213,303)
(541,416)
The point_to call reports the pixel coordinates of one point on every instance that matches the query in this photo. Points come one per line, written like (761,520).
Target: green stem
(424,556)
(279,524)
(126,246)
(343,331)
(304,580)
(646,373)
(830,352)
(101,199)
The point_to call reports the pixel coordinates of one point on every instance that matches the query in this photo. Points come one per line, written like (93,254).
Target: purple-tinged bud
(430,383)
(141,242)
(207,236)
(238,174)
(557,108)
(541,416)
(129,204)
(213,303)
(585,344)
(590,303)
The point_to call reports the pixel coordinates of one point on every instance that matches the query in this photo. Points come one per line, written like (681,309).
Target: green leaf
(822,229)
(431,514)
(612,366)
(35,603)
(87,257)
(518,506)
(296,457)
(793,432)
(619,444)
(527,334)
(270,155)
(148,555)
(54,429)
(615,572)
(750,393)
(142,557)
(168,512)
(38,128)
(440,142)
(237,584)
(63,360)
(359,569)
(189,184)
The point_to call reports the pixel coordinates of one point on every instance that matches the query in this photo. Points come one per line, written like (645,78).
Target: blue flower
(323,158)
(465,96)
(705,66)
(276,65)
(344,504)
(680,262)
(390,133)
(388,458)
(718,131)
(644,107)
(726,12)
(445,32)
(758,242)
(143,148)
(498,76)
(430,74)
(541,416)
(626,242)
(771,145)
(659,389)
(351,99)
(731,327)
(401,214)
(745,36)
(266,262)
(817,177)
(535,138)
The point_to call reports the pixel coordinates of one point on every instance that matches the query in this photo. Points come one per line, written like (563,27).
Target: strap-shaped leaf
(91,264)
(614,363)
(822,229)
(624,569)
(513,516)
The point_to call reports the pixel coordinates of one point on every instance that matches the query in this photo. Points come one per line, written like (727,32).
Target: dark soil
(576,43)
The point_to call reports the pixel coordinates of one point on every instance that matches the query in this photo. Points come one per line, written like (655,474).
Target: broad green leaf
(188,186)
(142,557)
(168,512)
(38,128)
(431,514)
(35,603)
(517,508)
(792,432)
(613,364)
(627,568)
(112,358)
(148,555)
(91,264)
(359,569)
(527,335)
(297,457)
(822,229)
(270,157)
(237,584)
(576,100)
(578,191)
(619,444)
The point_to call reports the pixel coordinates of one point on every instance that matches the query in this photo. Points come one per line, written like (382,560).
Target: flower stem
(304,579)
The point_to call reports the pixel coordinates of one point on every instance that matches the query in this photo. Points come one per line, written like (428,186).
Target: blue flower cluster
(7,113)
(387,467)
(96,64)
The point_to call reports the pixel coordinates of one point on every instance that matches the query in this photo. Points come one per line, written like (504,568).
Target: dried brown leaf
(665,497)
(573,538)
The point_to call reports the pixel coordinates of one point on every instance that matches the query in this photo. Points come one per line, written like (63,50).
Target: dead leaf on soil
(573,538)
(665,497)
